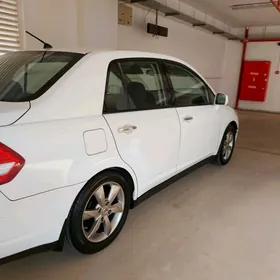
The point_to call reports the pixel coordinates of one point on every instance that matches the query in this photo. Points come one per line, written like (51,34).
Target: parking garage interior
(214,223)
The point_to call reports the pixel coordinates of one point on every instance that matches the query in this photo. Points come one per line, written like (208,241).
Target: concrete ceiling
(221,9)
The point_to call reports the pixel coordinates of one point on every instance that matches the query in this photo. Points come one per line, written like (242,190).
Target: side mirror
(221,99)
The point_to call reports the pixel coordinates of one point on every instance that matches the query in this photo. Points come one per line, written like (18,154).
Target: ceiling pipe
(276,4)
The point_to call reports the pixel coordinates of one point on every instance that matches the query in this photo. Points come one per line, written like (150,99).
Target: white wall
(98,26)
(71,24)
(92,24)
(231,71)
(54,21)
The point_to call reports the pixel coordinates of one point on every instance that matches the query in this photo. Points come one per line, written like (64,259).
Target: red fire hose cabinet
(255,80)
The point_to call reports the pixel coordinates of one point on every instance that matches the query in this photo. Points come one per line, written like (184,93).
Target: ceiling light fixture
(252,6)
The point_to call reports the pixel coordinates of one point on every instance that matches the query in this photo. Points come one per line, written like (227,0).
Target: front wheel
(99,213)
(227,146)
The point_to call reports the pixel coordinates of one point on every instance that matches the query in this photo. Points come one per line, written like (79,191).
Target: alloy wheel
(228,145)
(103,212)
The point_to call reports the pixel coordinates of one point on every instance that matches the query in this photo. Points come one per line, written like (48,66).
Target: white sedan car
(84,136)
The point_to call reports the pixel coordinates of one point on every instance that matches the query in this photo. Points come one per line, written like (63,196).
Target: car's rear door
(145,128)
(194,102)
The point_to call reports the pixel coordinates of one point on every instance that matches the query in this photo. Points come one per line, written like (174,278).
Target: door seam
(180,140)
(120,154)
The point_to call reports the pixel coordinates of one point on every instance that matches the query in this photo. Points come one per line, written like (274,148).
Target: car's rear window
(26,75)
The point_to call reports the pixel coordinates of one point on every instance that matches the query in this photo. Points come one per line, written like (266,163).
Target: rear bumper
(34,221)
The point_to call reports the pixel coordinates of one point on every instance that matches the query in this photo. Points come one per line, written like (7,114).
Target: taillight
(10,164)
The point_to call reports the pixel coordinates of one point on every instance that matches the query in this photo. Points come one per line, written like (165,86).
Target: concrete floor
(259,132)
(215,224)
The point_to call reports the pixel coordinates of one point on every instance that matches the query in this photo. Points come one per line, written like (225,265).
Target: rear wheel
(227,146)
(99,213)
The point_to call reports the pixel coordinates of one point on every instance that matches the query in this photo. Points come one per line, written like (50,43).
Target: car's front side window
(189,89)
(135,84)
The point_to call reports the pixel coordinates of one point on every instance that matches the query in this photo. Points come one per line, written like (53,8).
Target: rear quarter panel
(57,156)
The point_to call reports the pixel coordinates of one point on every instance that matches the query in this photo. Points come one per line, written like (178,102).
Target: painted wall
(82,24)
(71,24)
(231,70)
(54,21)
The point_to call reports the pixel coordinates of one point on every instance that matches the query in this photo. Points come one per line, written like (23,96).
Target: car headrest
(141,98)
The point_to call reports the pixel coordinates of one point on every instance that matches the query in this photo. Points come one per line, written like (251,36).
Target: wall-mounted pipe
(246,35)
(276,4)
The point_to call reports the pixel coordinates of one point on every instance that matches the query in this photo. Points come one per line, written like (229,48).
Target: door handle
(187,119)
(127,129)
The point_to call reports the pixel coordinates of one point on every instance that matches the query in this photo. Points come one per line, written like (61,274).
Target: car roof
(115,53)
(129,54)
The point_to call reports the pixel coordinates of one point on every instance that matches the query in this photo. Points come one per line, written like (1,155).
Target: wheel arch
(234,124)
(130,179)
(124,173)
(223,129)
(65,234)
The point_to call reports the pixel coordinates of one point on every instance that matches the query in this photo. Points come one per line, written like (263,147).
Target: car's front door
(194,102)
(145,128)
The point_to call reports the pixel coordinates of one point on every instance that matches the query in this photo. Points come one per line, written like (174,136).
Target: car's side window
(134,84)
(115,96)
(189,89)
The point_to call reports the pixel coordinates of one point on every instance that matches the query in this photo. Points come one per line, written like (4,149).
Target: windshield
(26,75)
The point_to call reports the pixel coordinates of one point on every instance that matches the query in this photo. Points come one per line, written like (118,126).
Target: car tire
(98,213)
(226,147)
